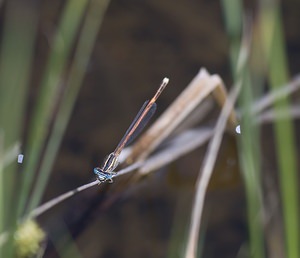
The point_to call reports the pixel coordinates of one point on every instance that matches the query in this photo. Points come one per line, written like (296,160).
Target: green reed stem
(86,42)
(63,42)
(249,140)
(20,22)
(284,131)
(249,155)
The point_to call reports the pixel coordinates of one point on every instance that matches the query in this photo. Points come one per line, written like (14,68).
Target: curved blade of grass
(64,39)
(248,143)
(15,63)
(87,39)
(284,132)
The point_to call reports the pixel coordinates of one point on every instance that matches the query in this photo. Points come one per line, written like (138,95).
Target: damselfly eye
(97,171)
(101,175)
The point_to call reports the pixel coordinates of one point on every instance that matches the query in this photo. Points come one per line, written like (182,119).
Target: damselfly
(105,172)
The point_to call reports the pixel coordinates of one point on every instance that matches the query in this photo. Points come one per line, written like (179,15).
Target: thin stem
(48,205)
(206,172)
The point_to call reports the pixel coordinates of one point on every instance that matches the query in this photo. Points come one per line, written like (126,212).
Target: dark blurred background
(139,43)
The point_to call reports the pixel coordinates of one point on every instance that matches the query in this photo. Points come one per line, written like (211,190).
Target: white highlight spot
(238,129)
(20,158)
(165,80)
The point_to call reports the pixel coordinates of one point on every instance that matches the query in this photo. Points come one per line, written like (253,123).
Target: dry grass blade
(270,115)
(181,145)
(280,93)
(200,87)
(206,172)
(48,205)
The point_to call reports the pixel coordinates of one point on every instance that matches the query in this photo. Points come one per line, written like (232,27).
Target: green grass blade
(249,139)
(2,193)
(16,56)
(87,38)
(284,131)
(249,154)
(38,130)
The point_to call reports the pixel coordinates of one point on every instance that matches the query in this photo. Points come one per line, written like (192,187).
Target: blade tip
(165,81)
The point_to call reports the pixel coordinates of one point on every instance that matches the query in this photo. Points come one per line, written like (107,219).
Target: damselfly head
(104,176)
